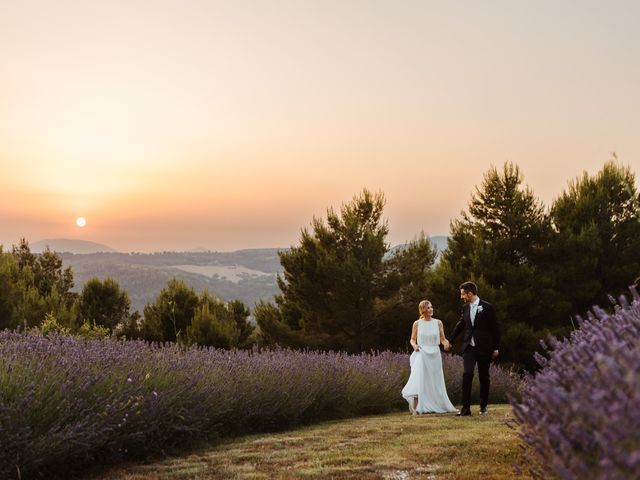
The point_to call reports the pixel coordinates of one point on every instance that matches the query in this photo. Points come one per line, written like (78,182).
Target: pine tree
(330,280)
(342,289)
(405,273)
(597,237)
(497,244)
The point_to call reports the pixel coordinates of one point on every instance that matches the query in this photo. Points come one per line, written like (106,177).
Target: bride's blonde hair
(423,305)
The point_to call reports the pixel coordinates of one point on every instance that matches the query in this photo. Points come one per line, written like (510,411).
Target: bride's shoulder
(438,320)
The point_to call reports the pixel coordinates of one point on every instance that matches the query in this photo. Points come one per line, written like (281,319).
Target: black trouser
(471,356)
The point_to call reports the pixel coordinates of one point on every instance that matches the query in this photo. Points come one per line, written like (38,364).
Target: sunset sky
(171,125)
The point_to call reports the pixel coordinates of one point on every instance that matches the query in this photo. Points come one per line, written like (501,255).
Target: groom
(479,344)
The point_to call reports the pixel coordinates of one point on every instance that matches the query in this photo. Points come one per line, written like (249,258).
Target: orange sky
(226,125)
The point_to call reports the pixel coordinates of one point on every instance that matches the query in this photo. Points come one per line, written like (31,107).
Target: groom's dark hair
(469,287)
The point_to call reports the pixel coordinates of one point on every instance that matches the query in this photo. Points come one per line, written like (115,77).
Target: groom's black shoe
(465,412)
(483,410)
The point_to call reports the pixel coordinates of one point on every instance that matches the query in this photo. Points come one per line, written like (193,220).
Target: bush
(92,331)
(51,325)
(103,303)
(218,324)
(167,318)
(68,401)
(579,414)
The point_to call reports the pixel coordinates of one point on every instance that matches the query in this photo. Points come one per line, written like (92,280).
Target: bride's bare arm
(443,340)
(414,336)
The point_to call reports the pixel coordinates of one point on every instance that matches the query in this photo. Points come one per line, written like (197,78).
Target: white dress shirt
(473,309)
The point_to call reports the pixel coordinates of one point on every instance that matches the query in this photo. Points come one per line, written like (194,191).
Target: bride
(425,390)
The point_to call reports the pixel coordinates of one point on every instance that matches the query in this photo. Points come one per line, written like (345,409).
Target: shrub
(51,325)
(88,331)
(103,303)
(167,318)
(579,414)
(213,324)
(92,331)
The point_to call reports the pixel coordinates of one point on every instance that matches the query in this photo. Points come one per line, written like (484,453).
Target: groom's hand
(495,354)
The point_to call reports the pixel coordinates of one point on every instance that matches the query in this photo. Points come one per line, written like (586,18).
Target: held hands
(446,345)
(495,354)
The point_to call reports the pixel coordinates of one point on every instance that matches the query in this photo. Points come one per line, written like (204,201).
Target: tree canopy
(337,284)
(104,303)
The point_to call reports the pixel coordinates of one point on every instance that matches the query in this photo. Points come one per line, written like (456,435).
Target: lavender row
(67,401)
(579,415)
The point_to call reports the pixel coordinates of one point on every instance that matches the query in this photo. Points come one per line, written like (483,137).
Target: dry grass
(393,446)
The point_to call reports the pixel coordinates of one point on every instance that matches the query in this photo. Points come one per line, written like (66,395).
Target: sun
(81,222)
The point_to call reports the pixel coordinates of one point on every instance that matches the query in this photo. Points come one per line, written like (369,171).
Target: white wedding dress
(426,380)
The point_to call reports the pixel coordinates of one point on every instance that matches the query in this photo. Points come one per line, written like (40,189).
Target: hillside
(247,275)
(67,245)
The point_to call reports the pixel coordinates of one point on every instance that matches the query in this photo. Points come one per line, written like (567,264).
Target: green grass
(393,446)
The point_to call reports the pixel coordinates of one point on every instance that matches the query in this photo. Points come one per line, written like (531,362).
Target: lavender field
(68,404)
(65,401)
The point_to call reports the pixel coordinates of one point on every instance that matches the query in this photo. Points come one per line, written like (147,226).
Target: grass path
(392,446)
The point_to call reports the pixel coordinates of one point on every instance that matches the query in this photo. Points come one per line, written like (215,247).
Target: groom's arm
(459,327)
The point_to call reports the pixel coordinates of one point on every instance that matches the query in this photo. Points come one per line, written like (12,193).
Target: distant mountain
(63,245)
(439,241)
(199,249)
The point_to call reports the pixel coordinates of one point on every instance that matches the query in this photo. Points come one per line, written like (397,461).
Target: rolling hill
(72,246)
(247,275)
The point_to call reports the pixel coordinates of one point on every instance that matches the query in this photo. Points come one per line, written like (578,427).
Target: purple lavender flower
(579,415)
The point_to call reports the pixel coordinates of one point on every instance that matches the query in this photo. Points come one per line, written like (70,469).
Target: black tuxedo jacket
(484,330)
